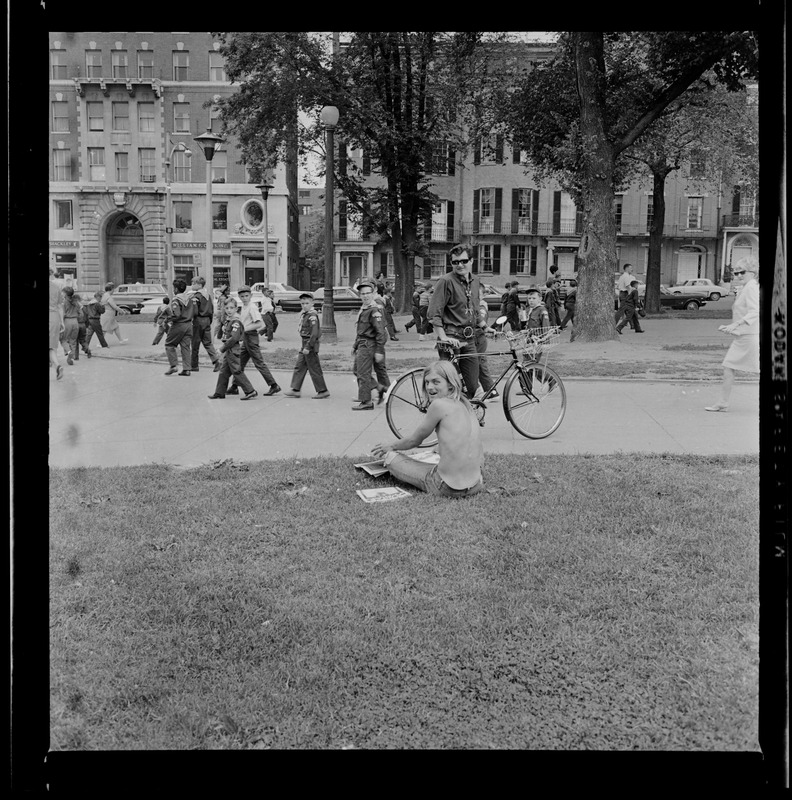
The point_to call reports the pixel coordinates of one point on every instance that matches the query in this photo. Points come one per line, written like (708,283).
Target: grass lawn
(595,602)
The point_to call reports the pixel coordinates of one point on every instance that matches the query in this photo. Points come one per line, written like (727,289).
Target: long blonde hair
(447,371)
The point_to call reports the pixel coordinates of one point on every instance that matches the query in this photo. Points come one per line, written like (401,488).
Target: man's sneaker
(363,407)
(123,341)
(249,395)
(172,371)
(394,339)
(381,395)
(320,395)
(274,389)
(291,393)
(185,373)
(233,390)
(216,396)
(494,396)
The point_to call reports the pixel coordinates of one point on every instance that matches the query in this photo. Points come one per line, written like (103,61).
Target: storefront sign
(66,243)
(188,245)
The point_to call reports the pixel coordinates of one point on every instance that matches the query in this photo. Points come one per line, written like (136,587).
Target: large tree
(399,94)
(580,113)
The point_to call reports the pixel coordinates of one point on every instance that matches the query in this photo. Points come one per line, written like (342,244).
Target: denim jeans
(424,476)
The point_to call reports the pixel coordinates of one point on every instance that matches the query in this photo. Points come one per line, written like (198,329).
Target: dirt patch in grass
(600,605)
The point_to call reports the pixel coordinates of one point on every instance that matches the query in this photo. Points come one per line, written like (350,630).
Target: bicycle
(534,397)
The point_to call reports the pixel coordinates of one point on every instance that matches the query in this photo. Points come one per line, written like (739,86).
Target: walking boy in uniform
(180,333)
(232,334)
(202,323)
(94,321)
(369,349)
(308,358)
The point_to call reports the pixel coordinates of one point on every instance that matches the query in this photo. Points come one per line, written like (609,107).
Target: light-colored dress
(744,351)
(55,304)
(109,321)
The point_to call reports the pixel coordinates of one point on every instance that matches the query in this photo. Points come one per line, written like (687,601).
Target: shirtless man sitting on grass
(452,418)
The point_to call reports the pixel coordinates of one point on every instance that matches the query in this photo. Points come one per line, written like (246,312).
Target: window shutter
(449,268)
(556,213)
(515,211)
(496,259)
(535,212)
(384,263)
(513,259)
(736,200)
(532,268)
(476,262)
(366,163)
(427,267)
(450,221)
(499,149)
(342,219)
(451,162)
(515,154)
(427,226)
(498,210)
(477,151)
(476,210)
(578,222)
(342,158)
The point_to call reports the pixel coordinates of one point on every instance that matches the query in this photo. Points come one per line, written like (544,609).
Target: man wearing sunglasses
(454,313)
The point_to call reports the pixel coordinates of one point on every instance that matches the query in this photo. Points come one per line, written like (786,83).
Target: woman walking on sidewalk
(744,351)
(55,323)
(109,321)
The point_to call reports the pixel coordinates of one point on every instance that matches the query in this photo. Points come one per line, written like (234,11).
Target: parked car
(345,298)
(699,286)
(689,302)
(256,298)
(151,306)
(493,294)
(131,296)
(280,291)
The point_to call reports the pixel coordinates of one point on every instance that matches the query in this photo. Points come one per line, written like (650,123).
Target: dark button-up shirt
(232,333)
(370,325)
(202,303)
(455,302)
(310,330)
(182,308)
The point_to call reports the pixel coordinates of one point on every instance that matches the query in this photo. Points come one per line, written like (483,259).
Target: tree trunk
(652,299)
(597,252)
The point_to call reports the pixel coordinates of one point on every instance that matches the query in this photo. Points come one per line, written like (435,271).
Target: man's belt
(468,332)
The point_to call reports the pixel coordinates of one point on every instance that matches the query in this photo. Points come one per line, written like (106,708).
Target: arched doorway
(125,249)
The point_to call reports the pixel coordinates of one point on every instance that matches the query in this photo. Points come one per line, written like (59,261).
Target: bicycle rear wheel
(534,400)
(404,406)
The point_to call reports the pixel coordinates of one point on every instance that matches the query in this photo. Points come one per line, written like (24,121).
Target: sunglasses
(738,272)
(460,261)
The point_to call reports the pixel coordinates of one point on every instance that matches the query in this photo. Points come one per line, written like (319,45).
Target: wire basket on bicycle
(534,341)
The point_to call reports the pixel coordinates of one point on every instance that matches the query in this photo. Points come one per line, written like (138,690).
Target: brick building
(127,201)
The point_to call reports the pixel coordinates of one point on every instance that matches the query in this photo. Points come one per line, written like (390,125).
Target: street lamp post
(209,143)
(169,271)
(329,117)
(264,188)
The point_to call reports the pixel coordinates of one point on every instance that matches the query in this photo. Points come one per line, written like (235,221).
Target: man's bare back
(458,443)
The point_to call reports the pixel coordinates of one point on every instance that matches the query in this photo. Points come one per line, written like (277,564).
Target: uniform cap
(532,289)
(307,296)
(370,284)
(243,289)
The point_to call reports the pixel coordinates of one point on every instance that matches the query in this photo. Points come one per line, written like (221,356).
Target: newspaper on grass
(382,494)
(377,468)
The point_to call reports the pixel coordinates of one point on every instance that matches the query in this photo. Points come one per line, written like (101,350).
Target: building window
(439,160)
(215,123)
(485,258)
(148,167)
(95,116)
(58,61)
(217,68)
(63,214)
(220,167)
(694,213)
(618,206)
(62,165)
(698,165)
(93,63)
(220,216)
(96,163)
(121,116)
(60,117)
(487,217)
(145,65)
(649,212)
(305,210)
(437,265)
(181,64)
(181,167)
(184,267)
(146,117)
(523,260)
(181,117)
(122,167)
(182,213)
(120,64)
(253,213)
(221,275)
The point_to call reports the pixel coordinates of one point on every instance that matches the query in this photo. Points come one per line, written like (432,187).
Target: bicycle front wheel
(405,407)
(534,400)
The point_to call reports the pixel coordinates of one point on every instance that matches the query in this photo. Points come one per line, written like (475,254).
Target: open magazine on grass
(377,468)
(382,494)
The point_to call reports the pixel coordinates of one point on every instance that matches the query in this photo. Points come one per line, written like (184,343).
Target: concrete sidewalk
(117,409)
